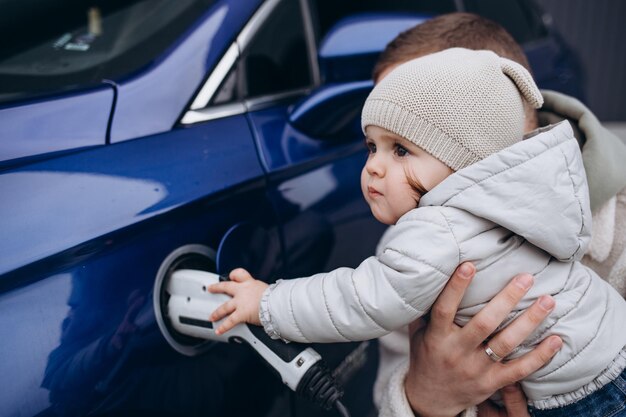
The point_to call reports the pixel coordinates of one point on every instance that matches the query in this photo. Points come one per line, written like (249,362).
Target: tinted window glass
(520,18)
(228,91)
(277,58)
(59,45)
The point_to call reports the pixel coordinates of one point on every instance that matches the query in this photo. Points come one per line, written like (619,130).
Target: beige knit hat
(459,105)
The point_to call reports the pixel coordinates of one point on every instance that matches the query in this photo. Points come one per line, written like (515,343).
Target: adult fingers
(514,401)
(223,310)
(487,409)
(446,305)
(489,318)
(416,325)
(515,333)
(523,366)
(239,275)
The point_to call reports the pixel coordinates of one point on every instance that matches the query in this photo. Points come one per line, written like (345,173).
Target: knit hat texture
(459,105)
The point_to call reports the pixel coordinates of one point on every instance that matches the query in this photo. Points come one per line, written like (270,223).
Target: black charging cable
(342,409)
(319,386)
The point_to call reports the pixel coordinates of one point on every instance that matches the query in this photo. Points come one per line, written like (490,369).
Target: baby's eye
(401,150)
(371,147)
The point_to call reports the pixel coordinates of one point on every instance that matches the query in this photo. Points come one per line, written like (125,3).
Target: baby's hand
(246,295)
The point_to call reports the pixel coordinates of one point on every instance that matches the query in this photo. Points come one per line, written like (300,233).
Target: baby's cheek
(408,202)
(364,178)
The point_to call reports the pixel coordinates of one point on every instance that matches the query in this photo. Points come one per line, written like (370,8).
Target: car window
(69,44)
(229,90)
(277,59)
(520,18)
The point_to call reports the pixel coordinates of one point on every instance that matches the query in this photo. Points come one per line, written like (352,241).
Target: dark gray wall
(596,30)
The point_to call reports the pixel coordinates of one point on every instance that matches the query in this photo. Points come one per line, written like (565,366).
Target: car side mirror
(331,110)
(347,55)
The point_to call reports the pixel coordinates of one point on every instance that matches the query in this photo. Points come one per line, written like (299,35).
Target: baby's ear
(523,80)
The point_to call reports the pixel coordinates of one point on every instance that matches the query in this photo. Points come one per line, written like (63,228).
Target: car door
(84,236)
(313,182)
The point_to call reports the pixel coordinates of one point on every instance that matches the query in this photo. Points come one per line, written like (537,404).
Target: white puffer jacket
(525,208)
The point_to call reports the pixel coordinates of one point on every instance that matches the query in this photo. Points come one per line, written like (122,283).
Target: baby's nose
(374,166)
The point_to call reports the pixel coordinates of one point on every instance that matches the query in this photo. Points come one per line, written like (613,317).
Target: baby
(448,168)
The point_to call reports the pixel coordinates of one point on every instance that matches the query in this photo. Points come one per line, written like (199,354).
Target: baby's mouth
(373,192)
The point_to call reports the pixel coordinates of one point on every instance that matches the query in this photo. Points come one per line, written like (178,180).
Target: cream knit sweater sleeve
(394,402)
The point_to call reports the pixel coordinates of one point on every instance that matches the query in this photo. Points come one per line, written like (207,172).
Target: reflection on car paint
(310,188)
(36,314)
(88,196)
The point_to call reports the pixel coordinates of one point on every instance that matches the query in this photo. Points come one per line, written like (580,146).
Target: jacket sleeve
(383,293)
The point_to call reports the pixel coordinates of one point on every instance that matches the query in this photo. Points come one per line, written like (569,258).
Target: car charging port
(196,257)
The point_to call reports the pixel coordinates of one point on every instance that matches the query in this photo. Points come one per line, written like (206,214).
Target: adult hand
(449,370)
(514,404)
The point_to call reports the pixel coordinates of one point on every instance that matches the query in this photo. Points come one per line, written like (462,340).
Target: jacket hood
(536,188)
(603,152)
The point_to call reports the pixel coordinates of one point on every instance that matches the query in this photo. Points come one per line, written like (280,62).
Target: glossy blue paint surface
(349,51)
(91,342)
(312,181)
(124,208)
(74,121)
(152,101)
(93,193)
(366,33)
(28,336)
(283,146)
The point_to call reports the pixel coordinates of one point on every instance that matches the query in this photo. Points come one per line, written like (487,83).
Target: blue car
(225,131)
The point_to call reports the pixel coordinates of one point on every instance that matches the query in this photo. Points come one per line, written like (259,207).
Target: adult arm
(448,369)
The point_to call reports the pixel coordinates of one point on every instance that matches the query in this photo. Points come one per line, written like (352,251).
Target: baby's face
(391,163)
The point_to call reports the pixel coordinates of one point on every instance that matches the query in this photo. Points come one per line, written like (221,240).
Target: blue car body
(100,183)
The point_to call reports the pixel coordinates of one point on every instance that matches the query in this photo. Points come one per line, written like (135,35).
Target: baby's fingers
(224,310)
(224,287)
(240,275)
(228,324)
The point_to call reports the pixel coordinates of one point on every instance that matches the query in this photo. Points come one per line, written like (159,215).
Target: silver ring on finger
(493,355)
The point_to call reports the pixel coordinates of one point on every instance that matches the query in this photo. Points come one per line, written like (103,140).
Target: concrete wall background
(596,31)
